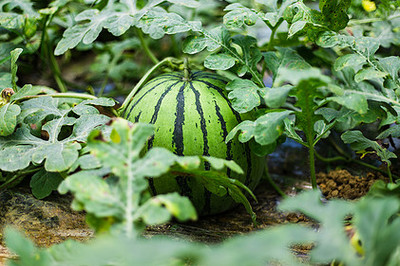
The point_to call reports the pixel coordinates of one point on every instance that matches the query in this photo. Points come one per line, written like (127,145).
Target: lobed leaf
(57,153)
(116,22)
(157,22)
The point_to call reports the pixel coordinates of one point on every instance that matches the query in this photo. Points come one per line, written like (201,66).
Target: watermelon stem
(186,70)
(166,61)
(272,182)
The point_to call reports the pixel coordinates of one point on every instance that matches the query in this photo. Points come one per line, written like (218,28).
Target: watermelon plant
(260,72)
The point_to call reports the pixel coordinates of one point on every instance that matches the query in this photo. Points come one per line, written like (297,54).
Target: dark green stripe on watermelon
(193,118)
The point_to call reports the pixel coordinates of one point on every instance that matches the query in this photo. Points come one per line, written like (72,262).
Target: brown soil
(46,222)
(342,184)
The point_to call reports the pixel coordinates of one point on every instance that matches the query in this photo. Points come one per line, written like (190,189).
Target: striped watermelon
(193,118)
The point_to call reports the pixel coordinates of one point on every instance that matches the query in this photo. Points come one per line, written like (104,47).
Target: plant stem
(272,182)
(146,48)
(103,86)
(67,95)
(56,72)
(389,174)
(270,46)
(168,60)
(45,49)
(129,198)
(18,175)
(371,20)
(350,160)
(61,95)
(312,166)
(186,69)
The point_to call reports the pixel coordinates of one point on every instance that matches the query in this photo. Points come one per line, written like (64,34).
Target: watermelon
(193,116)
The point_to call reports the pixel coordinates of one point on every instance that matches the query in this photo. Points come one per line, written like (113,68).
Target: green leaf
(358,142)
(296,27)
(188,162)
(306,93)
(14,57)
(159,209)
(265,247)
(244,95)
(18,150)
(349,60)
(290,131)
(367,46)
(220,164)
(116,22)
(239,16)
(5,80)
(186,3)
(269,127)
(391,65)
(265,130)
(155,163)
(123,147)
(249,54)
(29,90)
(276,97)
(242,49)
(8,118)
(25,248)
(352,101)
(385,33)
(43,183)
(284,58)
(11,21)
(93,194)
(322,129)
(178,206)
(211,40)
(335,13)
(24,5)
(297,76)
(219,61)
(246,129)
(157,22)
(330,216)
(300,16)
(21,148)
(377,224)
(368,74)
(393,131)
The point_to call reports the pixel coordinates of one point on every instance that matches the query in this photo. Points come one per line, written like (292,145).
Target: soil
(342,184)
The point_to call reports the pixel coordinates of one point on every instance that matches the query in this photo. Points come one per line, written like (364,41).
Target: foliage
(376,227)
